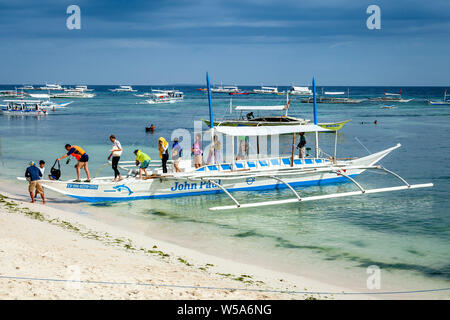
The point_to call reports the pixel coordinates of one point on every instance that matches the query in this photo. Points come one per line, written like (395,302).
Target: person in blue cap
(33,175)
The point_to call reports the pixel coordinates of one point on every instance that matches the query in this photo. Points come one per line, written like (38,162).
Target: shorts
(145,164)
(84,158)
(198,159)
(35,185)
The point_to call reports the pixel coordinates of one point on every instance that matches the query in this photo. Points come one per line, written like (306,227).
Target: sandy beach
(48,253)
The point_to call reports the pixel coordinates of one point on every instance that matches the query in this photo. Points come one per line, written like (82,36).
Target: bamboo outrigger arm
(238,205)
(394,174)
(351,179)
(289,186)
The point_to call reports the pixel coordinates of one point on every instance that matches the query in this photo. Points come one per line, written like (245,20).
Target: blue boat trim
(276,186)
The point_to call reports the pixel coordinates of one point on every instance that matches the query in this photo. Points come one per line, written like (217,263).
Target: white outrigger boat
(24,108)
(266,90)
(391,97)
(261,173)
(165,96)
(123,89)
(445,101)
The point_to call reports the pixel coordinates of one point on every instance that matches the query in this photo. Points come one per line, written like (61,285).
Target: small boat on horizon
(300,91)
(123,89)
(266,90)
(225,89)
(444,101)
(334,97)
(51,87)
(165,96)
(391,97)
(24,108)
(26,87)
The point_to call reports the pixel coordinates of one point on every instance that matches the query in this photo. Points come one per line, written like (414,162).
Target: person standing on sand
(82,157)
(33,175)
(42,169)
(116,152)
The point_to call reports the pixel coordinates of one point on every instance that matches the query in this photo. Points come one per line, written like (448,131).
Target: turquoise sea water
(406,233)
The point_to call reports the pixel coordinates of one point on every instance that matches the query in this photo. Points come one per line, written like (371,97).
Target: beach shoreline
(55,238)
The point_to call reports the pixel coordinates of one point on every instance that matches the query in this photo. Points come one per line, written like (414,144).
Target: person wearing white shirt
(116,152)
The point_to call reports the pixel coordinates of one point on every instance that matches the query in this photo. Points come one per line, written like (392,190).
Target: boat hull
(132,189)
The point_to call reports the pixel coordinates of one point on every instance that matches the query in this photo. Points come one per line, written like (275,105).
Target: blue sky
(239,42)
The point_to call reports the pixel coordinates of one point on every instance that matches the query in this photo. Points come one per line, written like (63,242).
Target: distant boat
(225,89)
(238,93)
(388,107)
(266,90)
(300,91)
(26,87)
(51,87)
(13,94)
(40,95)
(123,89)
(68,94)
(165,96)
(24,108)
(445,101)
(334,97)
(391,97)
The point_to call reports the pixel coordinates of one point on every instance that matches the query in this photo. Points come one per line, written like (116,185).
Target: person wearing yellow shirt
(143,161)
(163,147)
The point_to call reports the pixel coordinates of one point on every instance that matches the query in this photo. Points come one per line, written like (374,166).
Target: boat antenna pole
(211,117)
(315,116)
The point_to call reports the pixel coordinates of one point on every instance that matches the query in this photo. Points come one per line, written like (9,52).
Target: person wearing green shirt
(142,160)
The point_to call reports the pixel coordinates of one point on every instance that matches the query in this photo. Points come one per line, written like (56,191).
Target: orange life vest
(78,153)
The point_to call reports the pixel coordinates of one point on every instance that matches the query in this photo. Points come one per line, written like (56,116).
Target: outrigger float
(261,173)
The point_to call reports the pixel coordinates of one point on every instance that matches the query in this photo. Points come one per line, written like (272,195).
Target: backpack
(55,173)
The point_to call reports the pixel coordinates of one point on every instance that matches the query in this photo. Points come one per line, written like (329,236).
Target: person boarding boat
(143,161)
(116,152)
(82,158)
(163,147)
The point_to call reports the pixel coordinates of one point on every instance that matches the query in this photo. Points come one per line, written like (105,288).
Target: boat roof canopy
(268,130)
(252,108)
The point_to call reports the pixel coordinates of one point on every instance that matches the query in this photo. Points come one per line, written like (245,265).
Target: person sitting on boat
(250,116)
(163,147)
(33,175)
(197,151)
(301,146)
(82,158)
(177,152)
(116,152)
